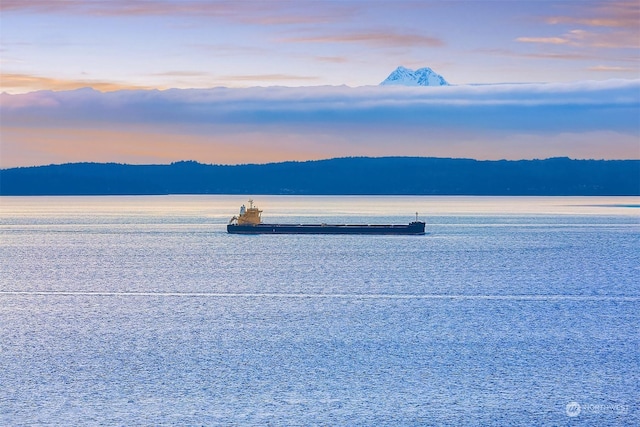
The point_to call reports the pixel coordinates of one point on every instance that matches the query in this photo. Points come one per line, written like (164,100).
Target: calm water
(143,311)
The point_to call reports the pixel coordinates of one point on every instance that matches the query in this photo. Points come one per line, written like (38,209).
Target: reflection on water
(221,207)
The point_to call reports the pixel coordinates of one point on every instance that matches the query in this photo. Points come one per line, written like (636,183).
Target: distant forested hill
(358,175)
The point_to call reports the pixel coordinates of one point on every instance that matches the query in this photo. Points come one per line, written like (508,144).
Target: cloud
(268,78)
(608,68)
(588,39)
(611,25)
(316,103)
(612,14)
(119,7)
(274,12)
(332,59)
(374,38)
(614,40)
(549,40)
(537,55)
(581,119)
(29,82)
(178,73)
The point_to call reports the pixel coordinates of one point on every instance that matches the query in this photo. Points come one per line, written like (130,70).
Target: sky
(295,80)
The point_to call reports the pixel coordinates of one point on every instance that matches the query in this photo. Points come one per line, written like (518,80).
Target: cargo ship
(249,221)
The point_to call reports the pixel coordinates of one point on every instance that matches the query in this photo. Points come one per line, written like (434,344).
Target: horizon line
(196,162)
(126,88)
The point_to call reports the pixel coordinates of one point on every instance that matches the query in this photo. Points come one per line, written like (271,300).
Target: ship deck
(411,228)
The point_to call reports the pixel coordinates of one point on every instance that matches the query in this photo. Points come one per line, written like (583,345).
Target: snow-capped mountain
(421,77)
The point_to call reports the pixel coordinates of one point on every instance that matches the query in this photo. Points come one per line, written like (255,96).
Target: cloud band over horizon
(592,119)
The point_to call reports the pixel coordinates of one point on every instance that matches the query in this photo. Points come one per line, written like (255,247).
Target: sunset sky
(517,68)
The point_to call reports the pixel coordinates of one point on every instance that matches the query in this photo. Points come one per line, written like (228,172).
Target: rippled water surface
(144,311)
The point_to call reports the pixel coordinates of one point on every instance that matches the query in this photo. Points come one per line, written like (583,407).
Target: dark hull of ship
(413,228)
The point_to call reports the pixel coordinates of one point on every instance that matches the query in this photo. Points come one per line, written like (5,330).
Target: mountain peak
(403,76)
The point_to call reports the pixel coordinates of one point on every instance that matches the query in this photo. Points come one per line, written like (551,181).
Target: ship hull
(413,228)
